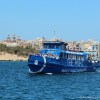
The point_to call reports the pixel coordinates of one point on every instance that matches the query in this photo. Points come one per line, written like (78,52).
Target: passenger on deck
(45,55)
(38,54)
(89,58)
(50,55)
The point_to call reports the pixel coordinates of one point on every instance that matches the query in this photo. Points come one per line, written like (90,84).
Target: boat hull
(38,64)
(53,69)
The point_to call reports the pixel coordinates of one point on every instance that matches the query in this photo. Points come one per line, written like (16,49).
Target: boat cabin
(53,48)
(54,45)
(58,49)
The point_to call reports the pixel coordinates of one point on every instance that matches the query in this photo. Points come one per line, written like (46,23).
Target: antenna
(54,34)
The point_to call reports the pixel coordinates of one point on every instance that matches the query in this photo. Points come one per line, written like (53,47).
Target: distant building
(75,45)
(19,39)
(12,42)
(0,42)
(93,50)
(8,40)
(91,47)
(14,39)
(37,43)
(99,49)
(25,44)
(87,44)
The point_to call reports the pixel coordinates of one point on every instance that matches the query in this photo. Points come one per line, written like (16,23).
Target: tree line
(20,51)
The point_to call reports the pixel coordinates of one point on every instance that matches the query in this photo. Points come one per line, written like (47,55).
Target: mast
(54,35)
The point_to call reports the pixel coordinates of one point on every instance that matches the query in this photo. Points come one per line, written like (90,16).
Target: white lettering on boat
(74,63)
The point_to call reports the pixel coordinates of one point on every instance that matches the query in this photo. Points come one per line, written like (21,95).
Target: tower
(18,39)
(8,38)
(14,38)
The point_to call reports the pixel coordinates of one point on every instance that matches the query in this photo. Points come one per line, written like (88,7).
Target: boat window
(65,56)
(51,46)
(69,56)
(45,46)
(81,58)
(78,57)
(61,55)
(74,56)
(57,47)
(89,57)
(63,47)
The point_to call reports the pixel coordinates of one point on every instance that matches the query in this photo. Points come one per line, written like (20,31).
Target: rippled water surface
(17,84)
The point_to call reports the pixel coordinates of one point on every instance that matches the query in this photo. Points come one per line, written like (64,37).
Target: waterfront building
(8,39)
(14,39)
(93,50)
(87,44)
(75,45)
(91,47)
(37,43)
(25,44)
(12,42)
(0,42)
(18,39)
(99,49)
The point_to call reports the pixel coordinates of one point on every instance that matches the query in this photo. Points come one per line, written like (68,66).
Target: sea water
(17,84)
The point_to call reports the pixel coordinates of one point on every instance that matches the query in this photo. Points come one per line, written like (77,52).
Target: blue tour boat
(55,58)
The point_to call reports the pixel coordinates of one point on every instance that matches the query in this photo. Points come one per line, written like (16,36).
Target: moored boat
(55,58)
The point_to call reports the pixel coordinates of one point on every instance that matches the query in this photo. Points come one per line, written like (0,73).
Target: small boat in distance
(54,58)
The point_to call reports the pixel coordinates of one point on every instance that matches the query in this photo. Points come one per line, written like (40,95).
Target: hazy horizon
(73,20)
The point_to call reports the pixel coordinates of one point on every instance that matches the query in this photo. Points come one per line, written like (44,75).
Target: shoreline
(11,57)
(14,60)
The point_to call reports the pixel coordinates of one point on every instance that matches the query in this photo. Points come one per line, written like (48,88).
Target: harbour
(50,50)
(17,84)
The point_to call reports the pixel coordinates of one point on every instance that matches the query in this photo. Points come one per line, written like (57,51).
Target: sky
(72,20)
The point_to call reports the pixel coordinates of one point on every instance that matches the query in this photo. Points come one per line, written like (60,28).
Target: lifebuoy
(36,63)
